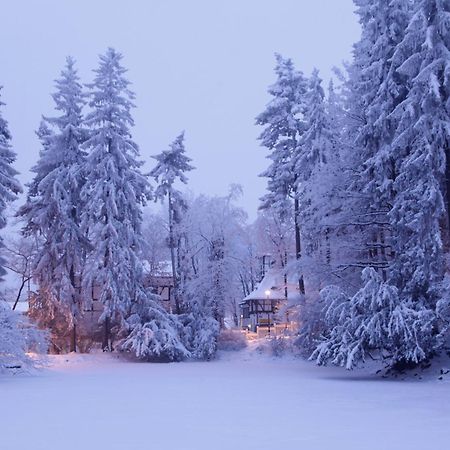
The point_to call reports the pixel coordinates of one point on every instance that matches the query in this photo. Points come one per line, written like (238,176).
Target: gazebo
(266,309)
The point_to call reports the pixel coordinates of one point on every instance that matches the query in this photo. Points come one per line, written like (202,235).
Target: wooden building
(162,285)
(267,309)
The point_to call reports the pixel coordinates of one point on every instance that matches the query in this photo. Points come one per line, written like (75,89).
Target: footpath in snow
(240,401)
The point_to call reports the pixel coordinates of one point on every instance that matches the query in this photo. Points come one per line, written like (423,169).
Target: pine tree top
(172,164)
(9,185)
(111,98)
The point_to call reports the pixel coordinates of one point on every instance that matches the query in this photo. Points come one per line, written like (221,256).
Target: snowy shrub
(231,340)
(200,332)
(17,337)
(375,322)
(12,341)
(155,340)
(279,346)
(204,343)
(153,332)
(311,318)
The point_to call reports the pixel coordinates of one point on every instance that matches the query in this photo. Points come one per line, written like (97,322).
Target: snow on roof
(274,282)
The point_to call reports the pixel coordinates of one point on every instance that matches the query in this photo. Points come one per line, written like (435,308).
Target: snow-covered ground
(240,401)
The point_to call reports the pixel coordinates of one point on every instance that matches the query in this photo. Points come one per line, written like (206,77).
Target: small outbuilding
(267,309)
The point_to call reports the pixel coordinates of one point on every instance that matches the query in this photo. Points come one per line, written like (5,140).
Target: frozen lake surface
(240,401)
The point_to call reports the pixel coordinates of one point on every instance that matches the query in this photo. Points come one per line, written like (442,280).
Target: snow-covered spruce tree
(379,88)
(153,333)
(12,340)
(171,166)
(357,181)
(9,185)
(317,147)
(369,323)
(408,325)
(372,91)
(284,126)
(375,322)
(419,210)
(315,166)
(114,193)
(53,207)
(316,141)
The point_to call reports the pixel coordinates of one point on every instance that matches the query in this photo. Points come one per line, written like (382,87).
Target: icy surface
(241,401)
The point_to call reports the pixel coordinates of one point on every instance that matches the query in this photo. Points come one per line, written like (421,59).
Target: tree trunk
(383,255)
(172,257)
(73,343)
(328,247)
(24,281)
(298,248)
(285,276)
(73,340)
(447,198)
(106,346)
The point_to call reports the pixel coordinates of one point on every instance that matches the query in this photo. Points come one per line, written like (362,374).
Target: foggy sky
(196,65)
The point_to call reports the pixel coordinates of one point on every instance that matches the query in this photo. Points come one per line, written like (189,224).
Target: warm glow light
(267,293)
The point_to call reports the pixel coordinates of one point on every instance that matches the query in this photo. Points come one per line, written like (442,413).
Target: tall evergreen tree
(114,191)
(53,206)
(317,147)
(284,125)
(404,151)
(171,166)
(419,210)
(316,139)
(12,341)
(375,89)
(9,185)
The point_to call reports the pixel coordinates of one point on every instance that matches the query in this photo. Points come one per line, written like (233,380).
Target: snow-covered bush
(12,341)
(153,332)
(231,340)
(204,338)
(279,346)
(378,322)
(17,337)
(200,331)
(155,340)
(311,317)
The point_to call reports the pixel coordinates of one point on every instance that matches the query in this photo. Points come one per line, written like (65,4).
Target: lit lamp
(267,292)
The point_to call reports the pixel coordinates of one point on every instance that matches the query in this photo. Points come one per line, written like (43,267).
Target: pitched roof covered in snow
(274,283)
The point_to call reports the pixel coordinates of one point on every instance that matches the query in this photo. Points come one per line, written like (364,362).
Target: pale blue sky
(198,65)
